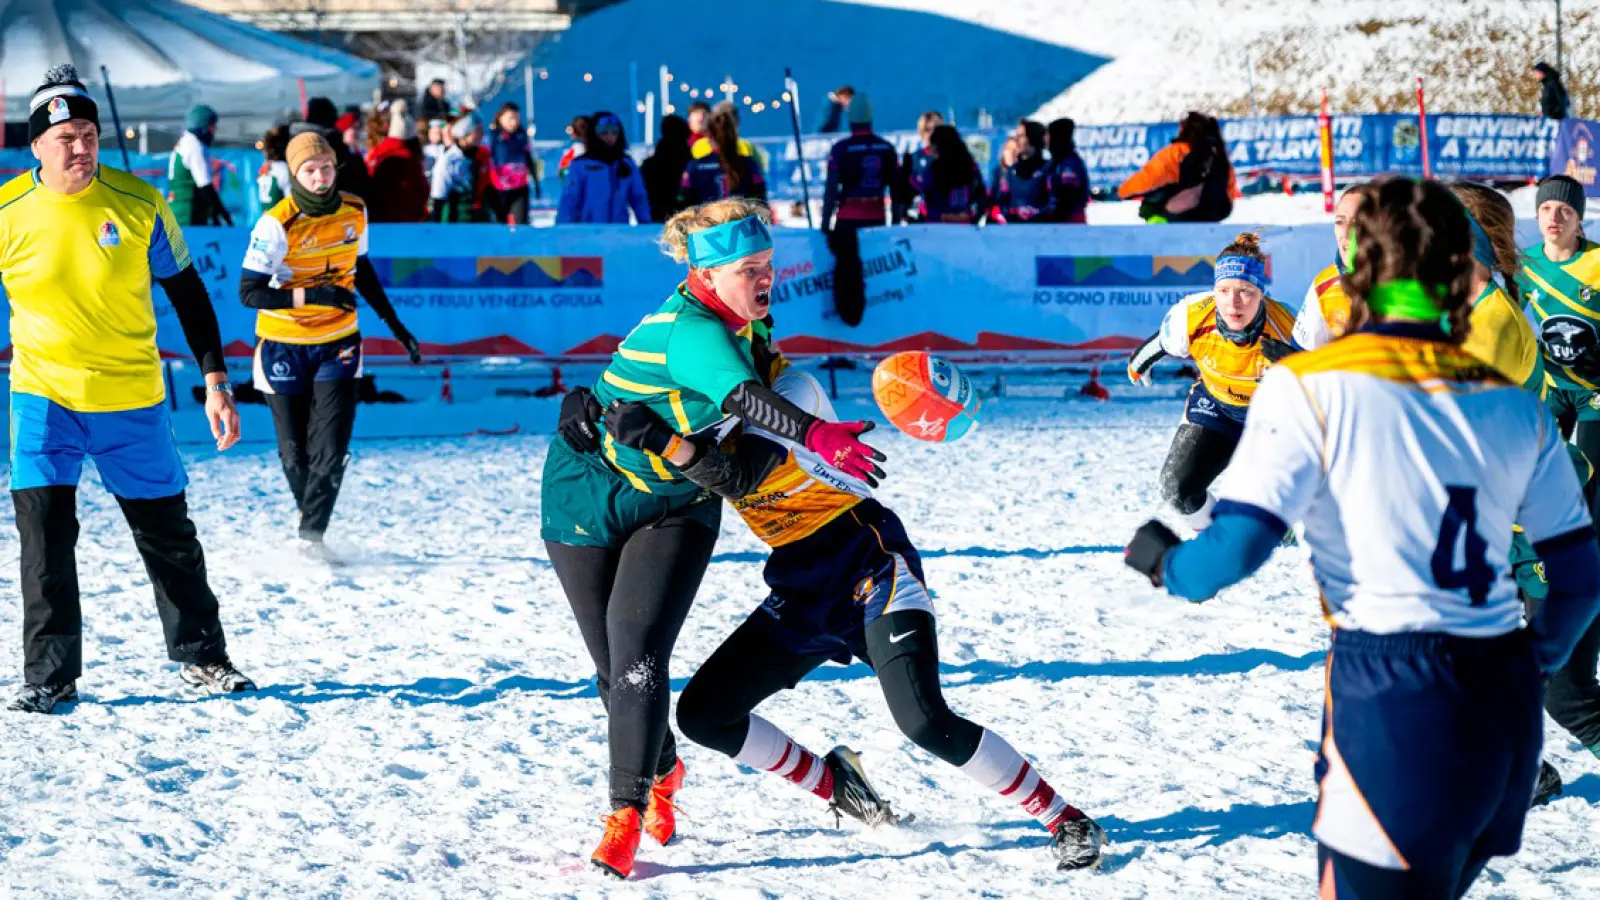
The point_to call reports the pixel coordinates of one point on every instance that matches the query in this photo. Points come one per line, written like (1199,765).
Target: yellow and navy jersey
(1502,336)
(301,251)
(1565,300)
(1325,313)
(77,270)
(803,493)
(1229,371)
(1408,460)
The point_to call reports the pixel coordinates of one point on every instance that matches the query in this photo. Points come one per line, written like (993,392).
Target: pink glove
(838,445)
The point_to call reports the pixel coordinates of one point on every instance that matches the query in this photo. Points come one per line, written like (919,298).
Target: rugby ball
(926,396)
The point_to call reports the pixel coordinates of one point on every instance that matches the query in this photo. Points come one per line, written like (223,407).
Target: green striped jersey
(1565,299)
(682,361)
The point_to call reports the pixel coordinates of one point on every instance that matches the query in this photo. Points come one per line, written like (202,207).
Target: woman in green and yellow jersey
(628,535)
(1561,280)
(1500,334)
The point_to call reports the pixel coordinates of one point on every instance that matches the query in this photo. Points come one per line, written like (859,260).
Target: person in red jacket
(399,180)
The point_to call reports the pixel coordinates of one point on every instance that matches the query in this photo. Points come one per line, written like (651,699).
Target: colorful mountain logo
(479,272)
(1125,271)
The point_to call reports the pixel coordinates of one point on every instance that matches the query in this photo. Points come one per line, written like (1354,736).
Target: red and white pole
(1325,131)
(1422,123)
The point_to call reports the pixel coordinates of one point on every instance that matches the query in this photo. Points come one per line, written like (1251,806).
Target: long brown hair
(1407,229)
(723,129)
(1493,211)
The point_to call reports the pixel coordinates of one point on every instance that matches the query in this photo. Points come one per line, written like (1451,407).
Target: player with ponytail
(845,582)
(1407,458)
(628,535)
(1232,332)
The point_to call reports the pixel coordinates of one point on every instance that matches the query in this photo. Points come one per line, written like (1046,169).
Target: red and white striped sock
(769,749)
(999,767)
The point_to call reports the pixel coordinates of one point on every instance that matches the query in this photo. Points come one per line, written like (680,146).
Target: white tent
(164,57)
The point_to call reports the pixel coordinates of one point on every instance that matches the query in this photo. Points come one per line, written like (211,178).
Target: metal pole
(665,78)
(650,118)
(633,94)
(727,87)
(527,92)
(116,120)
(799,146)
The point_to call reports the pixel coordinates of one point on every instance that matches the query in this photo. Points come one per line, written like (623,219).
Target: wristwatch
(221,387)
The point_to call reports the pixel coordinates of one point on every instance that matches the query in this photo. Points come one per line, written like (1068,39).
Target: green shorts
(1573,404)
(586,503)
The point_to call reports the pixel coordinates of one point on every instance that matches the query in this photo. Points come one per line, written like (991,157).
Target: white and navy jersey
(1408,461)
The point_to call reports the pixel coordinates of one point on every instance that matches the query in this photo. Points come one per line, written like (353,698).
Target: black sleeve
(371,289)
(1148,354)
(256,291)
(192,303)
(735,475)
(768,411)
(215,209)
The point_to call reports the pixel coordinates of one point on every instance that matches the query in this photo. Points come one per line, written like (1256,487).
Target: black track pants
(314,429)
(52,619)
(1197,456)
(630,603)
(751,665)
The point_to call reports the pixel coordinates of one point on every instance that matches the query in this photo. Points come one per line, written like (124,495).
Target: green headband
(1404,298)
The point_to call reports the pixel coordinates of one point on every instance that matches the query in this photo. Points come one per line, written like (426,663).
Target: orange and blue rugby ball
(926,396)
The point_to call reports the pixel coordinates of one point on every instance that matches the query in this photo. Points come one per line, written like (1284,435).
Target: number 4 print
(1475,576)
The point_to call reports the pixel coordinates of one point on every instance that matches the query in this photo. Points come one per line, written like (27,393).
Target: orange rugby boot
(661,816)
(619,844)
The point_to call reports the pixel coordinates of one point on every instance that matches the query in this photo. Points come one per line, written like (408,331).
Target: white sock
(767,748)
(1000,768)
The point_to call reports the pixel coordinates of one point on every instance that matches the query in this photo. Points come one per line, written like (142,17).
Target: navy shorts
(134,450)
(827,587)
(292,368)
(1209,413)
(1430,748)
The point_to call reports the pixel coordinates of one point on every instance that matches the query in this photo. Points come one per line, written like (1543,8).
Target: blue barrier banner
(1489,146)
(1056,292)
(1574,153)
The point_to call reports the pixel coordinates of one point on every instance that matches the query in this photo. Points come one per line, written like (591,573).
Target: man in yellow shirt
(79,246)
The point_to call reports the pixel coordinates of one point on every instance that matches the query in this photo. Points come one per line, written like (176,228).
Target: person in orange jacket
(1189,180)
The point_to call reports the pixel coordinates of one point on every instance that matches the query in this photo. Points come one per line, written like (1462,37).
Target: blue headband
(1244,268)
(1482,247)
(728,242)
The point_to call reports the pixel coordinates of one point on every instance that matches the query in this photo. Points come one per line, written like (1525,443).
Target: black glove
(578,423)
(636,425)
(1147,552)
(1275,350)
(413,349)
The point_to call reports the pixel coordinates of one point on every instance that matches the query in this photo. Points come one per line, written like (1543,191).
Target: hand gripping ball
(926,396)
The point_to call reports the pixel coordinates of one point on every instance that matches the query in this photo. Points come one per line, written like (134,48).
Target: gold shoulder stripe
(642,356)
(618,381)
(659,319)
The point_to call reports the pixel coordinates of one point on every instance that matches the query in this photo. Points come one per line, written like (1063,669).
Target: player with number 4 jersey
(1408,460)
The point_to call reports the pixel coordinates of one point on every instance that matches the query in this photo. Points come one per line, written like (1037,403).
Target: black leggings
(630,603)
(752,665)
(510,207)
(1572,697)
(314,429)
(1198,455)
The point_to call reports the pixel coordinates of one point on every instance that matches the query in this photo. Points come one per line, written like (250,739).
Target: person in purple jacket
(954,192)
(603,184)
(916,166)
(861,169)
(1068,176)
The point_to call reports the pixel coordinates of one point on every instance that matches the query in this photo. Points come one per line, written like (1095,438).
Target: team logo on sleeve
(1567,339)
(107,236)
(58,110)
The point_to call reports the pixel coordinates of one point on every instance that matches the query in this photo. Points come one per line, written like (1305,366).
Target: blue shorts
(828,587)
(292,368)
(1430,748)
(134,450)
(1208,412)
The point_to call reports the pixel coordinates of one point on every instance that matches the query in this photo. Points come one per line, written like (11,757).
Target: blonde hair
(674,239)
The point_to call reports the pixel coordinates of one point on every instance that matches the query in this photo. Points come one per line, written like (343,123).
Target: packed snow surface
(427,724)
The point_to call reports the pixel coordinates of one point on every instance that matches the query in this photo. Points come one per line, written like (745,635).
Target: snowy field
(428,727)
